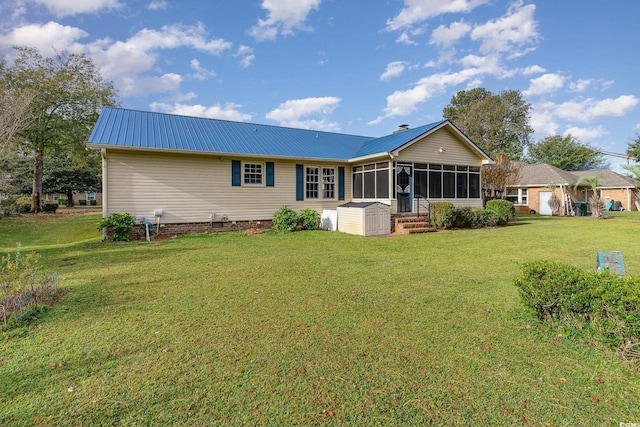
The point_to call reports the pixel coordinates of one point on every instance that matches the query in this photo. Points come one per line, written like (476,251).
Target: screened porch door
(403,187)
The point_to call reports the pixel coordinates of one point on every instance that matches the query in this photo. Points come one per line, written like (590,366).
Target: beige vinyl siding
(426,150)
(188,188)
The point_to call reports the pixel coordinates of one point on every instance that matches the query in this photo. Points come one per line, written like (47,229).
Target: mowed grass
(311,328)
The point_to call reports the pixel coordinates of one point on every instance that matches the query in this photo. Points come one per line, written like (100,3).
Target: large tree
(69,94)
(498,123)
(567,153)
(66,174)
(633,150)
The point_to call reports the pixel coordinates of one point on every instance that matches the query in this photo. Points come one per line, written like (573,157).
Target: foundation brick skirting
(170,230)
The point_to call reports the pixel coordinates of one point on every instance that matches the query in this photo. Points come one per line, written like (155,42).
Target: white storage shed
(364,218)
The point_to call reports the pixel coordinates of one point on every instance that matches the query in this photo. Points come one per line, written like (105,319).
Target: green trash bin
(581,208)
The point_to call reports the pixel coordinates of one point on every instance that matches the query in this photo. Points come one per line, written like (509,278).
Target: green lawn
(310,328)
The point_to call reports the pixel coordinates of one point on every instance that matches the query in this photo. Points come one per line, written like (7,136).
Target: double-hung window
(252,173)
(518,196)
(328,183)
(312,182)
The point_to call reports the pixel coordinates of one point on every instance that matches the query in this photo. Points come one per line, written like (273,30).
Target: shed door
(545,196)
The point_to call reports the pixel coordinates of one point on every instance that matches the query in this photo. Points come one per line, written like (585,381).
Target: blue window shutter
(270,174)
(235,173)
(340,182)
(299,182)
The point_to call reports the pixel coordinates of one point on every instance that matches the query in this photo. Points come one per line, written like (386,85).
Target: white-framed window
(91,196)
(518,196)
(312,182)
(252,173)
(371,181)
(328,183)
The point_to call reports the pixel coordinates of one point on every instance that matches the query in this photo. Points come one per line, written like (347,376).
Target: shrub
(607,304)
(82,202)
(459,218)
(487,218)
(438,213)
(24,288)
(23,204)
(8,205)
(117,226)
(93,202)
(62,201)
(309,219)
(504,208)
(285,220)
(50,207)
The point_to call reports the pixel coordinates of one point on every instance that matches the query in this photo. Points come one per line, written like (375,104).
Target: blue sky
(353,66)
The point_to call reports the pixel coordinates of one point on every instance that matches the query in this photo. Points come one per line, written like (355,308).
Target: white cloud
(514,30)
(229,111)
(585,134)
(581,85)
(405,39)
(394,69)
(416,11)
(545,84)
(201,72)
(402,103)
(546,116)
(158,5)
(245,53)
(66,7)
(284,16)
(534,69)
(140,86)
(447,36)
(48,38)
(293,113)
(125,62)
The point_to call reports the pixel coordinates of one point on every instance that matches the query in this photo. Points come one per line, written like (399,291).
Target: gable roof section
(123,128)
(142,130)
(400,140)
(541,175)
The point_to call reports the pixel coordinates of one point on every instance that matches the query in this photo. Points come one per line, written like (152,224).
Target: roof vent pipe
(401,128)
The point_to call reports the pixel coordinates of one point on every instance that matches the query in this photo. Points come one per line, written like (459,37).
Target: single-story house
(193,174)
(77,196)
(533,188)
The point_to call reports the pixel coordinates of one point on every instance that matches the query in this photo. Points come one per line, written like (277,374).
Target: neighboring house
(77,196)
(532,191)
(192,174)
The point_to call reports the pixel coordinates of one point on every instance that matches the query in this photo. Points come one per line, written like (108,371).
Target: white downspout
(103,153)
(564,201)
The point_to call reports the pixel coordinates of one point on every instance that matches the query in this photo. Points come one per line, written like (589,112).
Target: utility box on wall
(364,218)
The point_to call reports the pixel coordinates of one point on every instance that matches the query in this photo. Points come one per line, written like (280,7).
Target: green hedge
(50,207)
(439,212)
(504,208)
(604,304)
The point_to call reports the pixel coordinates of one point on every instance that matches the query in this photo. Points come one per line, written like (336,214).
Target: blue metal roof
(124,128)
(118,127)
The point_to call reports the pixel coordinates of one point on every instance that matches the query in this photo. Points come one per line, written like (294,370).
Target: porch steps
(411,224)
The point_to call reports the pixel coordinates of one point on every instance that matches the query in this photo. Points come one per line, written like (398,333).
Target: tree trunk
(69,198)
(38,169)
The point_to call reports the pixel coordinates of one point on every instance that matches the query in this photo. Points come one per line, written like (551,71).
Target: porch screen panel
(357,186)
(369,185)
(382,184)
(448,183)
(435,185)
(474,185)
(462,185)
(420,181)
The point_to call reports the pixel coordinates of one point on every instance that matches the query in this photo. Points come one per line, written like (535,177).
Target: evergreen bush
(438,213)
(504,208)
(117,226)
(50,207)
(309,219)
(285,220)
